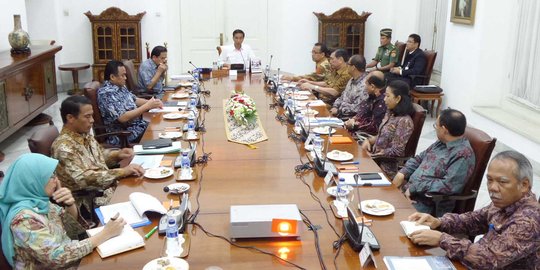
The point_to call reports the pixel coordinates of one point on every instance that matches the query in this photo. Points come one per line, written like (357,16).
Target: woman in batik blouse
(33,235)
(395,129)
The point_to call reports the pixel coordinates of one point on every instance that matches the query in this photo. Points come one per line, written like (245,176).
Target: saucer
(323,130)
(170,135)
(337,155)
(377,207)
(158,173)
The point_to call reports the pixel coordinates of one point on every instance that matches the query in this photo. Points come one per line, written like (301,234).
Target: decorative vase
(18,39)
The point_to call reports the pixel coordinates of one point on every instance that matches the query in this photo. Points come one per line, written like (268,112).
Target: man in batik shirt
(347,105)
(319,55)
(119,108)
(442,168)
(371,111)
(334,84)
(510,224)
(83,163)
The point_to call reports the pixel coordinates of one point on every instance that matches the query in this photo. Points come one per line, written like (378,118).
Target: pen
(350,163)
(152,231)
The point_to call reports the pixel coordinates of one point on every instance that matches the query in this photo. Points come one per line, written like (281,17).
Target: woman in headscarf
(33,236)
(395,129)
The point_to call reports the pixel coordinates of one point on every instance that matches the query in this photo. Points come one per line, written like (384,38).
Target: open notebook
(132,211)
(129,239)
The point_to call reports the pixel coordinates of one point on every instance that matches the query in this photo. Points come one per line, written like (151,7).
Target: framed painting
(463,11)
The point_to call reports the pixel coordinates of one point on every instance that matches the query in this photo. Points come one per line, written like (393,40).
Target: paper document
(349,180)
(312,103)
(185,77)
(132,211)
(147,161)
(410,226)
(164,109)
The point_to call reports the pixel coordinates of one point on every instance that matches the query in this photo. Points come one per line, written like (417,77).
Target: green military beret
(387,32)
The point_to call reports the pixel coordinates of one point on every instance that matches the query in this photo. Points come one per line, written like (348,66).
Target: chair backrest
(418,117)
(431,55)
(482,145)
(218,48)
(401,49)
(131,76)
(90,91)
(41,141)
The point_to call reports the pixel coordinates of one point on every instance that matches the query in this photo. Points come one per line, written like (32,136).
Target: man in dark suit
(414,62)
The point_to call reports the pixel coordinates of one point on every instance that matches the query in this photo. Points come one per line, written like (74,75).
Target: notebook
(132,211)
(129,239)
(410,226)
(156,144)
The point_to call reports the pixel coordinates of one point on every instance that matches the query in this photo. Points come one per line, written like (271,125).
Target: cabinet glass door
(128,41)
(104,34)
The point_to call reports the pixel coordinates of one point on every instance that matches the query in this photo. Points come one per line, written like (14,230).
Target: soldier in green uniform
(387,53)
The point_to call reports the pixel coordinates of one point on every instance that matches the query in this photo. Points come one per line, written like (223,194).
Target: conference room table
(265,174)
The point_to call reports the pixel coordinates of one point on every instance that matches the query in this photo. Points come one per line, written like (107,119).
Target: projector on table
(259,221)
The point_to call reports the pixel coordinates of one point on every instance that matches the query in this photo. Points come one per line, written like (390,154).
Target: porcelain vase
(18,38)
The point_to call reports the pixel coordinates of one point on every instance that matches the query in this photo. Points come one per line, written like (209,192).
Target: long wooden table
(238,175)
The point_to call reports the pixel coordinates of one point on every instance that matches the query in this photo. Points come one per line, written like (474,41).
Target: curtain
(525,85)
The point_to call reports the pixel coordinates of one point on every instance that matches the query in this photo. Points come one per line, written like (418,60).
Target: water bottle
(191,125)
(192,103)
(280,91)
(267,70)
(318,145)
(298,122)
(195,88)
(214,66)
(289,103)
(173,247)
(196,74)
(185,162)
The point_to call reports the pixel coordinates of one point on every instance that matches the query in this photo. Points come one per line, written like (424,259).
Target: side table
(74,68)
(430,97)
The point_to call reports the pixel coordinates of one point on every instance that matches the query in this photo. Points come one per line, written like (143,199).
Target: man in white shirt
(236,53)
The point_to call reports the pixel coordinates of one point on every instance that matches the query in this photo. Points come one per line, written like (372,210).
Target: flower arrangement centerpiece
(241,108)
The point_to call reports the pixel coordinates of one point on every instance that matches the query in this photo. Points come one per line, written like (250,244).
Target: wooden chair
(100,131)
(131,80)
(424,79)
(218,48)
(418,117)
(401,49)
(42,140)
(482,145)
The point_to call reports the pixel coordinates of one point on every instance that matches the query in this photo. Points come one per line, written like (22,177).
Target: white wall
(294,27)
(65,22)
(10,8)
(476,69)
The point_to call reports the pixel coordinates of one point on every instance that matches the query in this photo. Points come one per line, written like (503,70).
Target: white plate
(323,130)
(337,155)
(180,95)
(177,263)
(299,97)
(333,190)
(170,135)
(185,84)
(310,112)
(178,188)
(175,115)
(377,207)
(158,173)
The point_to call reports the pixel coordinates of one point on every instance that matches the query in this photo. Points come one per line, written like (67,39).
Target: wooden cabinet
(27,87)
(115,35)
(343,29)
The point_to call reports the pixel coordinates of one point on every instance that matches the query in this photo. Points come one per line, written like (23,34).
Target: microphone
(326,147)
(193,65)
